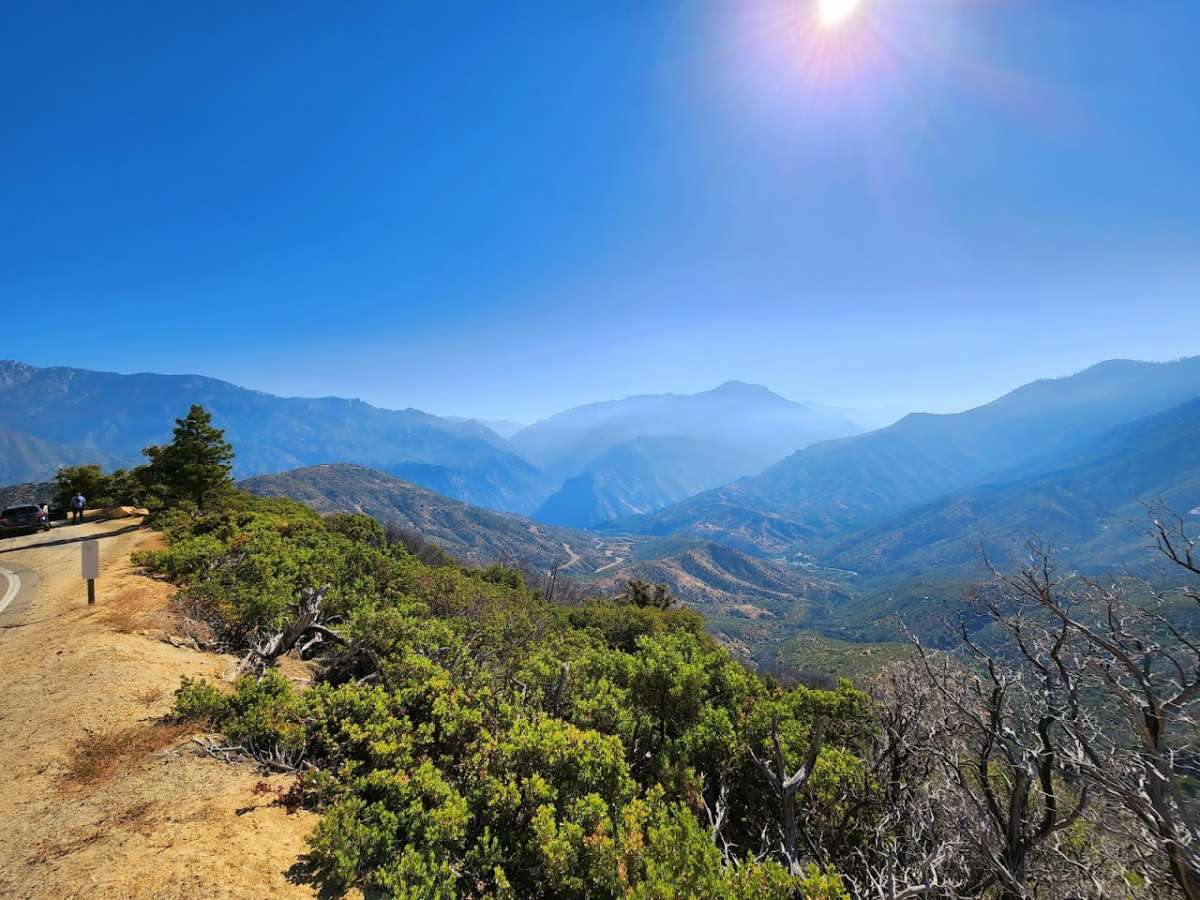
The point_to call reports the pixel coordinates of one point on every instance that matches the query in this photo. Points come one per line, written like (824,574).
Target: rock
(124,512)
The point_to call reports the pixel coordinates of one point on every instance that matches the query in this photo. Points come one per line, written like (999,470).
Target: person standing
(77,504)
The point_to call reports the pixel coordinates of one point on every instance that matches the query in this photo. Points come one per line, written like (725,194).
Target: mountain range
(764,426)
(678,444)
(1089,502)
(637,455)
(641,476)
(900,518)
(769,516)
(834,488)
(60,416)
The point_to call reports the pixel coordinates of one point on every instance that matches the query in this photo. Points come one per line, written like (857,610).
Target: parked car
(24,519)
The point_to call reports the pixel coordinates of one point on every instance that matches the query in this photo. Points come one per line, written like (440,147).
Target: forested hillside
(1091,504)
(747,601)
(471,534)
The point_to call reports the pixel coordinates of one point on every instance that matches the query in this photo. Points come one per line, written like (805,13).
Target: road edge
(14,587)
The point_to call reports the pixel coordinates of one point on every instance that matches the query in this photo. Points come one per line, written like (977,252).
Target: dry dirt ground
(97,797)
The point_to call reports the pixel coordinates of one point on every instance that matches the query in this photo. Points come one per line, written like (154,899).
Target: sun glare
(832,13)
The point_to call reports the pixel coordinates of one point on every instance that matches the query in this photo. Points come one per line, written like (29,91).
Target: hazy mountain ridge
(640,476)
(470,533)
(25,457)
(114,416)
(1090,504)
(762,425)
(836,487)
(84,415)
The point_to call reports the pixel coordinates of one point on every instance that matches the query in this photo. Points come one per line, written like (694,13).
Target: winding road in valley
(574,557)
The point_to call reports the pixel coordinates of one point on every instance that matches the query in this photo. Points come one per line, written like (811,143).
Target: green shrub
(200,701)
(504,747)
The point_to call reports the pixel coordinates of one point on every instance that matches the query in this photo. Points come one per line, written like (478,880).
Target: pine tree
(195,466)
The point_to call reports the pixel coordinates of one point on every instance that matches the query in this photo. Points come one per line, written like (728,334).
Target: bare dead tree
(304,633)
(928,833)
(1008,756)
(909,840)
(786,786)
(1148,668)
(935,865)
(1176,545)
(553,585)
(717,813)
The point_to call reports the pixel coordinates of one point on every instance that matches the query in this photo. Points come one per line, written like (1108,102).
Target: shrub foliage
(499,745)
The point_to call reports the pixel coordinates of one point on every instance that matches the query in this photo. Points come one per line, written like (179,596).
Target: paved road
(27,560)
(10,586)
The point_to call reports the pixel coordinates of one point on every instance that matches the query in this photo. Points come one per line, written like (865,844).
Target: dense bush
(500,746)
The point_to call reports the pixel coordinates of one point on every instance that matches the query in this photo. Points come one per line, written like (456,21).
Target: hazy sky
(506,209)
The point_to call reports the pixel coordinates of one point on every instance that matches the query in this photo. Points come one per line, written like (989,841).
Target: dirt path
(97,799)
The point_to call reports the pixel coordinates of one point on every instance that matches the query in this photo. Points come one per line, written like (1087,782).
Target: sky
(506,209)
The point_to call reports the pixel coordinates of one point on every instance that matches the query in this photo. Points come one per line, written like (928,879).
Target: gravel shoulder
(98,798)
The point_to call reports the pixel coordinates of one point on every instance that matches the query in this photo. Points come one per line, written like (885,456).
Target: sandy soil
(156,818)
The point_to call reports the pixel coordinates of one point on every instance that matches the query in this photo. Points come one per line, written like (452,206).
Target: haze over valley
(769,516)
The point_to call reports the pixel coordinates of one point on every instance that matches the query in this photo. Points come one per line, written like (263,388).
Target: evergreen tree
(88,480)
(195,466)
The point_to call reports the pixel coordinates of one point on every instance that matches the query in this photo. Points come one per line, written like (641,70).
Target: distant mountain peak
(743,387)
(761,425)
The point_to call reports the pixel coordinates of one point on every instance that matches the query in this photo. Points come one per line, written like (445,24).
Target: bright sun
(832,13)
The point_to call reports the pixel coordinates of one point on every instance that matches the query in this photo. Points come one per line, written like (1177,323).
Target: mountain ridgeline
(63,416)
(637,455)
(469,533)
(640,476)
(1089,501)
(640,454)
(761,425)
(768,516)
(834,488)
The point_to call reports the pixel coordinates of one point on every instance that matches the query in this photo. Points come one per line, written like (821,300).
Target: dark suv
(23,519)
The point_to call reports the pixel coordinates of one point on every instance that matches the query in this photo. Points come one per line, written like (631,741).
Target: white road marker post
(90,551)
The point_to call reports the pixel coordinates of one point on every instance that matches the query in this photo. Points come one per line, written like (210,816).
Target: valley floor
(98,797)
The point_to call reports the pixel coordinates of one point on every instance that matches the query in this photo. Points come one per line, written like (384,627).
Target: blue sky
(506,209)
